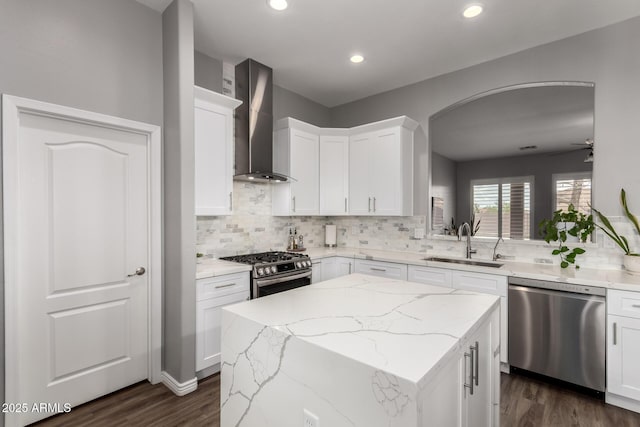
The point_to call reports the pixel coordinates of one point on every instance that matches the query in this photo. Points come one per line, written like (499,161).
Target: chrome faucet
(495,255)
(460,231)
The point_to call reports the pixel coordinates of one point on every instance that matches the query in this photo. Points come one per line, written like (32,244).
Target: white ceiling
(553,118)
(403,41)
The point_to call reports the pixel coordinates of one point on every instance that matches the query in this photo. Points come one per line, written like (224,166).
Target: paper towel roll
(330,235)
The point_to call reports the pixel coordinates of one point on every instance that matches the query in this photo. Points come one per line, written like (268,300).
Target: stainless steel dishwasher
(558,330)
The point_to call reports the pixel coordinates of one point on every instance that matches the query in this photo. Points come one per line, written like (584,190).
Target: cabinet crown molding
(207,95)
(402,121)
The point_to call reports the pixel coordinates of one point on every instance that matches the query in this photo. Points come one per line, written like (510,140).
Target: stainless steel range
(275,272)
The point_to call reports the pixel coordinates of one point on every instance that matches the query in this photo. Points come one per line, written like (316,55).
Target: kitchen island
(362,351)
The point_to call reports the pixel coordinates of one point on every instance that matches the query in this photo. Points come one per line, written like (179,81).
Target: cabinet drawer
(479,282)
(223,285)
(623,303)
(383,269)
(430,276)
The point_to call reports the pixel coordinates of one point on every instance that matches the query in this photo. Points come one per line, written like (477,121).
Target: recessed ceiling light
(472,11)
(356,59)
(278,4)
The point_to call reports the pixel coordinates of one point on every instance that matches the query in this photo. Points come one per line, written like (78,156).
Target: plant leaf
(632,217)
(579,251)
(564,264)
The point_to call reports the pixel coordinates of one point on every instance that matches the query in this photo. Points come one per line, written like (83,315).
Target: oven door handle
(267,282)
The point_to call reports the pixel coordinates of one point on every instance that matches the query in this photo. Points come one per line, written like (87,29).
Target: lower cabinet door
(623,356)
(391,270)
(479,367)
(208,324)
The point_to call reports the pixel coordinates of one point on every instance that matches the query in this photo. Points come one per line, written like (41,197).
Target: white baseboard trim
(179,389)
(623,402)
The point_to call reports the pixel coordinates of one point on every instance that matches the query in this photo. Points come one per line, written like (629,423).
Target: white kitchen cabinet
(623,349)
(212,294)
(449,399)
(390,270)
(213,139)
(334,174)
(330,268)
(471,281)
(381,172)
(430,275)
(296,153)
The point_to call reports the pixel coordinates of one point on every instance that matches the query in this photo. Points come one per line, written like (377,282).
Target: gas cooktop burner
(265,257)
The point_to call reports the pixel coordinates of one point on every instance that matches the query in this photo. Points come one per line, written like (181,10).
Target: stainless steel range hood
(254,123)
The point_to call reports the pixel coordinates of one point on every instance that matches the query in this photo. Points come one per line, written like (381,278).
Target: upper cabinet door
(360,198)
(386,171)
(334,175)
(304,168)
(213,138)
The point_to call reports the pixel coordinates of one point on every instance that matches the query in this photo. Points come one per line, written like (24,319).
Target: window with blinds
(572,189)
(503,207)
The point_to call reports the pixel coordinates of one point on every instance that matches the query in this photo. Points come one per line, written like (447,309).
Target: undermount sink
(465,261)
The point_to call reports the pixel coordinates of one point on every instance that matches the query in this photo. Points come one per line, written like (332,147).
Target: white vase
(631,264)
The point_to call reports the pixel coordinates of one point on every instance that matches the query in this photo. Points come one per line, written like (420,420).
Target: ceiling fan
(586,145)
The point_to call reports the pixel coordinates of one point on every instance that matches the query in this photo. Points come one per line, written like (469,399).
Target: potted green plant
(561,227)
(631,260)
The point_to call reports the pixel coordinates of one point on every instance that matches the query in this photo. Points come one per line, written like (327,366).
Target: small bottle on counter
(295,239)
(291,240)
(300,242)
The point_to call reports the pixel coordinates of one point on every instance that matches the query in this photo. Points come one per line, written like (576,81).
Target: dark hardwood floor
(526,402)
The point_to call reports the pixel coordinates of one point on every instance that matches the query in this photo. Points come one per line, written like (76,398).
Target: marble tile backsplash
(252,228)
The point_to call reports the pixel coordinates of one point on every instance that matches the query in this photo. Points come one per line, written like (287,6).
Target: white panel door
(334,175)
(82,228)
(305,171)
(359,180)
(386,173)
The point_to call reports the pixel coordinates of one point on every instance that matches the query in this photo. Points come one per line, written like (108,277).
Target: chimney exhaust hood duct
(254,123)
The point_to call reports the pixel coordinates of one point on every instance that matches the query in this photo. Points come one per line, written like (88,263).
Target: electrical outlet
(355,230)
(310,419)
(418,233)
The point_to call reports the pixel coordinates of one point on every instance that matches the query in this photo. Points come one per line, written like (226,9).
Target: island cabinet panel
(467,391)
(389,270)
(623,349)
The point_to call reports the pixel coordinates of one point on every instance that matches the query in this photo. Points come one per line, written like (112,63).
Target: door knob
(139,272)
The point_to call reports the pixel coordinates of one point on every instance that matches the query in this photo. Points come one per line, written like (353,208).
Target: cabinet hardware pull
(369,205)
(349,268)
(635,305)
(477,360)
(374,204)
(139,272)
(470,385)
(378,269)
(345,205)
(226,285)
(293,199)
(230,201)
(615,333)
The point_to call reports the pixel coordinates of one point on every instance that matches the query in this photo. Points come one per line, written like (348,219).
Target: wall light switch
(355,230)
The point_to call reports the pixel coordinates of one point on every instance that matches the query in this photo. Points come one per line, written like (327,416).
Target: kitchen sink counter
(613,279)
(217,267)
(355,350)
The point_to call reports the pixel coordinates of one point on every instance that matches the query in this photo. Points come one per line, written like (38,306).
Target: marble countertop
(217,267)
(612,279)
(401,328)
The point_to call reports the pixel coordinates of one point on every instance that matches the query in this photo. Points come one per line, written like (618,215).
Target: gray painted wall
(443,184)
(179,200)
(208,72)
(103,56)
(290,104)
(609,57)
(541,166)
